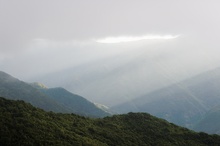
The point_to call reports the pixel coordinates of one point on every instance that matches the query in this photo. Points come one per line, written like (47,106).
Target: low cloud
(122,39)
(44,37)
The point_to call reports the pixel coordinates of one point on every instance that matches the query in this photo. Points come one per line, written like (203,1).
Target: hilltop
(23,124)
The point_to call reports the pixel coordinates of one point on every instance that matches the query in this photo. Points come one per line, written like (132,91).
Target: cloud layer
(123,39)
(40,38)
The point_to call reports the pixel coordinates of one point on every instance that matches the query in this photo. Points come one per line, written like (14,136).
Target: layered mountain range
(193,103)
(190,103)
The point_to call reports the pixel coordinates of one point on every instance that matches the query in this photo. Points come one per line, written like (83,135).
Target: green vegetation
(23,124)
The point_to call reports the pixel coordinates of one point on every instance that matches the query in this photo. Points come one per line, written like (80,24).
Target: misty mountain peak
(4,77)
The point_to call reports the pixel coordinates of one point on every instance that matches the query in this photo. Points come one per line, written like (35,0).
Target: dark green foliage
(23,124)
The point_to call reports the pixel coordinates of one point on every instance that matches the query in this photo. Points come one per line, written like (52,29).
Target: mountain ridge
(210,122)
(13,88)
(184,103)
(74,102)
(23,124)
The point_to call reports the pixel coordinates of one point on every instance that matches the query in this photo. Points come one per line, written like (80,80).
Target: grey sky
(44,37)
(24,20)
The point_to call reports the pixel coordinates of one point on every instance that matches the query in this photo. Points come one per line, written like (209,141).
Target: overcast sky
(44,36)
(24,21)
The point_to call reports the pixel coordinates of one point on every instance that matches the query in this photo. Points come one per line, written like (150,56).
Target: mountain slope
(183,103)
(22,124)
(13,88)
(73,102)
(210,122)
(56,100)
(129,74)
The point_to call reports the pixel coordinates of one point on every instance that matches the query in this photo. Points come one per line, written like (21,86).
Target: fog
(60,43)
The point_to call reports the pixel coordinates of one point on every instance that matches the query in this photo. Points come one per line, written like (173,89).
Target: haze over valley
(100,58)
(122,50)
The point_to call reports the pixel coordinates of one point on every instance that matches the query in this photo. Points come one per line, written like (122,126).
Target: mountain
(210,123)
(75,103)
(56,99)
(13,88)
(23,124)
(184,103)
(123,76)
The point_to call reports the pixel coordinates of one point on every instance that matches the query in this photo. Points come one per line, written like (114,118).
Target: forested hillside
(23,124)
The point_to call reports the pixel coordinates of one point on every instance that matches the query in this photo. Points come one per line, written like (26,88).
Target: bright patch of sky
(122,39)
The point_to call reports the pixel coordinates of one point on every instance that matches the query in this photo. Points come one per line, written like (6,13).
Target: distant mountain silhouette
(184,103)
(210,123)
(73,102)
(13,88)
